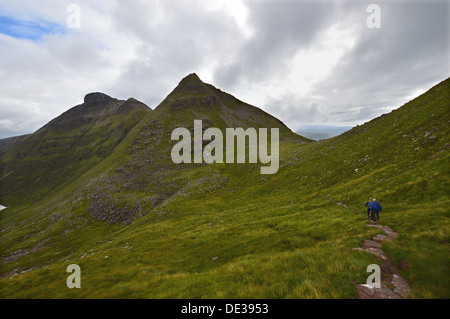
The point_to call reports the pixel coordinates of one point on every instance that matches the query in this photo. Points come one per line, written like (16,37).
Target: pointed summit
(194,99)
(191,85)
(191,78)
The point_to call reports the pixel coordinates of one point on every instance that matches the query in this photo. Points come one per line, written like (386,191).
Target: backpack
(376,206)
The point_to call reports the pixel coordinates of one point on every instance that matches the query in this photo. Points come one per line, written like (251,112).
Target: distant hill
(321,132)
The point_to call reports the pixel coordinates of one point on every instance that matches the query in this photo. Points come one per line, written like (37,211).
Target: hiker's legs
(372,216)
(378,215)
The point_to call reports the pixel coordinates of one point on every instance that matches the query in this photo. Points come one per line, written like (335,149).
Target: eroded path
(399,287)
(389,273)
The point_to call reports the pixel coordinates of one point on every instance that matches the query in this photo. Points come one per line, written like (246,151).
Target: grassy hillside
(140,226)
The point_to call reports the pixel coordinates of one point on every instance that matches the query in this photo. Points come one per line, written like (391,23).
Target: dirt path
(389,274)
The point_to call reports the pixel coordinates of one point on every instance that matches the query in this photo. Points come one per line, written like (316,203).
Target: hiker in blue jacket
(376,209)
(368,207)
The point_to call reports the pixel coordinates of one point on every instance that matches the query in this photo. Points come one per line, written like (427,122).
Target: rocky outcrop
(97,98)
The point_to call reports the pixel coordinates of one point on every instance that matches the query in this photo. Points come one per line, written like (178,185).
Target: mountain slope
(148,173)
(62,149)
(7,143)
(225,230)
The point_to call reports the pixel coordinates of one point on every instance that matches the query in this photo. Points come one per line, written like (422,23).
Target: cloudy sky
(306,62)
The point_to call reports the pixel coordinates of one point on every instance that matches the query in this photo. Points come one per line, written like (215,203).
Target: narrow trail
(389,273)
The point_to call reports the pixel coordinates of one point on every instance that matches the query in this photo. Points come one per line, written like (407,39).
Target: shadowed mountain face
(83,136)
(65,147)
(148,175)
(97,107)
(97,98)
(7,143)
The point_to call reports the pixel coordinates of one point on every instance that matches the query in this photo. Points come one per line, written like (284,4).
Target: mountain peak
(191,83)
(191,78)
(97,98)
(194,99)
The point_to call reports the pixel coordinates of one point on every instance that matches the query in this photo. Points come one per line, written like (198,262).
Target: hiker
(368,207)
(376,209)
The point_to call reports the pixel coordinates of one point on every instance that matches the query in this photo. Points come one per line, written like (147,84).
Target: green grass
(226,231)
(253,250)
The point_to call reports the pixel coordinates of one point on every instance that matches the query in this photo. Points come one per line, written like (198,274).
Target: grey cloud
(280,29)
(187,38)
(286,106)
(412,40)
(76,52)
(386,66)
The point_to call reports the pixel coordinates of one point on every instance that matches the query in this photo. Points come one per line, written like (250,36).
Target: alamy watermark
(213,152)
(374,19)
(74,19)
(374,280)
(74,280)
